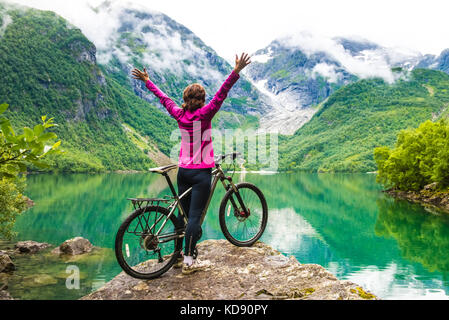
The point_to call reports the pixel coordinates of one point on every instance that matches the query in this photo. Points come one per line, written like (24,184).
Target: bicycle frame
(218,174)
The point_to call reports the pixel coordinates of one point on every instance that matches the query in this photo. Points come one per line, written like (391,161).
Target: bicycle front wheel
(243,227)
(147,243)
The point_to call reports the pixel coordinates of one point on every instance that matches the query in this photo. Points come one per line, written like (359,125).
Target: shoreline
(266,274)
(263,172)
(429,197)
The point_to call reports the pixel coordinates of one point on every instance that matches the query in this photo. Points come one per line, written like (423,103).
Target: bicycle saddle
(164,168)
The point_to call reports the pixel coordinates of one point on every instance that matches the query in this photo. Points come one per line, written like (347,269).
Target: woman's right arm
(168,103)
(212,108)
(214,105)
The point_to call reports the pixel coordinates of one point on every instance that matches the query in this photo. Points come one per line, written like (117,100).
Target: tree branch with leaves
(17,151)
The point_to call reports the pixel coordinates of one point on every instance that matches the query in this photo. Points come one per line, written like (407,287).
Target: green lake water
(343,222)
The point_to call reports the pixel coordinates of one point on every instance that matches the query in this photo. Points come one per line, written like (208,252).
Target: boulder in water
(30,246)
(75,246)
(6,264)
(4,295)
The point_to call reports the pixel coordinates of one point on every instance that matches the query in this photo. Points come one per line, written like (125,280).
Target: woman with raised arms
(196,157)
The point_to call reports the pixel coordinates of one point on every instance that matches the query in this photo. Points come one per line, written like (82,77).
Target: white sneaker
(197,265)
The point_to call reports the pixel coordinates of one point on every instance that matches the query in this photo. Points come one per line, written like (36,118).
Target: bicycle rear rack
(139,203)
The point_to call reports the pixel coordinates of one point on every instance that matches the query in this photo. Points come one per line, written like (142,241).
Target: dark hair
(194,97)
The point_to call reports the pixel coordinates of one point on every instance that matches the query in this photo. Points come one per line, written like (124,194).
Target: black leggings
(194,203)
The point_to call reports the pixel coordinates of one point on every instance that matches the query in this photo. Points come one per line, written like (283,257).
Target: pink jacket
(196,140)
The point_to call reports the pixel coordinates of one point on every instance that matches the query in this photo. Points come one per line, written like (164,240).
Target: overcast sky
(232,26)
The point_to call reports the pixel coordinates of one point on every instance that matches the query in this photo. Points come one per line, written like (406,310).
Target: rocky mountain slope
(48,67)
(301,71)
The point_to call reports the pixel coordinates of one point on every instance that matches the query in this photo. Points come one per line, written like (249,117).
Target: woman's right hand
(139,75)
(242,62)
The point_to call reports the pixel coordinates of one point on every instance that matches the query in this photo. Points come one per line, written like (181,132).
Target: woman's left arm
(168,103)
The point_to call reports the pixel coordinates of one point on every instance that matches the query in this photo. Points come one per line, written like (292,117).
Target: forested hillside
(48,67)
(361,116)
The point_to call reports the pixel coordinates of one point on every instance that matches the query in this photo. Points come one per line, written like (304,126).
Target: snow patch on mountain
(286,115)
(262,57)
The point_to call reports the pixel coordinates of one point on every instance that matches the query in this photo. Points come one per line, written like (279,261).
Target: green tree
(420,157)
(17,151)
(12,204)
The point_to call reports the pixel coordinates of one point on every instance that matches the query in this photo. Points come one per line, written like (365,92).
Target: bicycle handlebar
(234,155)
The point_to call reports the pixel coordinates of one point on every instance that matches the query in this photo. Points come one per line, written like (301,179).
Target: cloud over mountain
(357,56)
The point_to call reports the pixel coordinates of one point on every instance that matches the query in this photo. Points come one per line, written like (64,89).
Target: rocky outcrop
(70,251)
(83,51)
(258,272)
(6,264)
(30,246)
(430,197)
(431,61)
(6,268)
(74,247)
(4,295)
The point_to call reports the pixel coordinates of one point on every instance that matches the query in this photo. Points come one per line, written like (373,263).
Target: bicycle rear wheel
(240,228)
(141,251)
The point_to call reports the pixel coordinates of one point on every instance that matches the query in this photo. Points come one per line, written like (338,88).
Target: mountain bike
(150,239)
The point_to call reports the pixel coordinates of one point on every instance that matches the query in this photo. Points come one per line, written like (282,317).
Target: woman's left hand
(139,75)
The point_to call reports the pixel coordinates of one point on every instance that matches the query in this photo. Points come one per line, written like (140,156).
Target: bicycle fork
(245,211)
